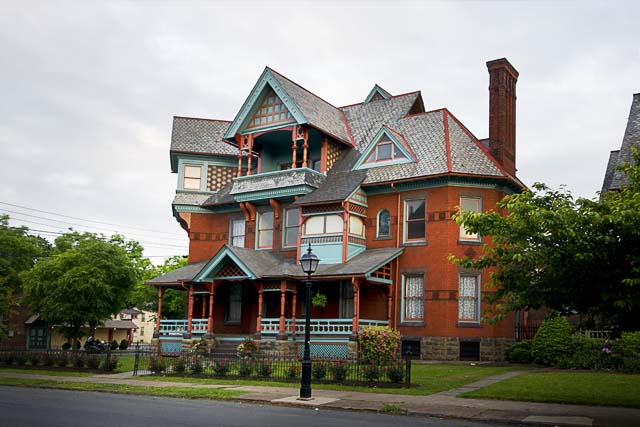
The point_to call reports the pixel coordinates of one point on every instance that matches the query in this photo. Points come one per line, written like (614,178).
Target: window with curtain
(192,176)
(356,225)
(291,226)
(265,230)
(413,297)
(415,220)
(233,312)
(470,204)
(468,298)
(384,224)
(237,232)
(346,300)
(323,224)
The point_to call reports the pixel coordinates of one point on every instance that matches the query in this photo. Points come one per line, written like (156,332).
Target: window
(415,220)
(470,204)
(385,150)
(233,312)
(323,224)
(384,224)
(192,176)
(291,226)
(356,225)
(468,298)
(142,331)
(237,232)
(346,300)
(271,111)
(265,230)
(413,298)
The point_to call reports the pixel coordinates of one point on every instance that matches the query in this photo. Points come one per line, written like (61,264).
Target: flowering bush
(247,348)
(339,371)
(371,372)
(319,370)
(395,374)
(221,368)
(378,344)
(265,370)
(293,371)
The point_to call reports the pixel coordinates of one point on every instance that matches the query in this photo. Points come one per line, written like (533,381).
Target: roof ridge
(424,112)
(202,118)
(301,87)
(403,142)
(447,140)
(392,97)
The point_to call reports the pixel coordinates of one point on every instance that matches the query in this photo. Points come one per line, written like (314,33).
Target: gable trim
(266,78)
(391,134)
(377,89)
(216,261)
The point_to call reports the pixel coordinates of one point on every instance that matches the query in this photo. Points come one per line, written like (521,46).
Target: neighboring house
(145,322)
(613,178)
(372,187)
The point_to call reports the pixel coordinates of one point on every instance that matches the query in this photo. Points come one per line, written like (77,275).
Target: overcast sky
(88,89)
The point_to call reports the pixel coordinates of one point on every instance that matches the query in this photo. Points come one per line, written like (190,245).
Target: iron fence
(274,366)
(525,332)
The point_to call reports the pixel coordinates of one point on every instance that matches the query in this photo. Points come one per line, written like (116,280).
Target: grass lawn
(184,392)
(29,370)
(428,379)
(583,388)
(125,364)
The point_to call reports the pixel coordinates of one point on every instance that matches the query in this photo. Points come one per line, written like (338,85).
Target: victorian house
(371,187)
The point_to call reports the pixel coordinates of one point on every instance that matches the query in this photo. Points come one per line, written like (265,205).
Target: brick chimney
(502,113)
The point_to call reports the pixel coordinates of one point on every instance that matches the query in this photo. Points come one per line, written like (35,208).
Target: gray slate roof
(188,198)
(119,324)
(614,179)
(204,136)
(186,274)
(317,111)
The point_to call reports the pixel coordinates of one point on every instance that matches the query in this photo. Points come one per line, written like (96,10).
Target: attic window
(385,150)
(271,111)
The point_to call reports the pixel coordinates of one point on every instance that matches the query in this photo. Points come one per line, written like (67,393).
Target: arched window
(384,224)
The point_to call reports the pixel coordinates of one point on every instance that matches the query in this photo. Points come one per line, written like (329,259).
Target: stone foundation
(448,348)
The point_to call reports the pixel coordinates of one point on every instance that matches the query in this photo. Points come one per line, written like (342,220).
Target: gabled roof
(397,139)
(182,274)
(305,107)
(377,93)
(614,179)
(199,136)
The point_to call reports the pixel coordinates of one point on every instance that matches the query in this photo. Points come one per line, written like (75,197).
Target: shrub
(77,345)
(245,369)
(631,365)
(156,365)
(589,353)
(92,362)
(62,359)
(265,370)
(247,348)
(221,368)
(339,371)
(79,361)
(20,359)
(109,363)
(552,342)
(114,345)
(520,352)
(180,366)
(66,346)
(196,367)
(628,345)
(371,373)
(123,344)
(34,359)
(378,344)
(319,371)
(47,360)
(293,371)
(395,374)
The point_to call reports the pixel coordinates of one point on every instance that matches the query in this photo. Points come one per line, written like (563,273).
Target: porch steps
(226,348)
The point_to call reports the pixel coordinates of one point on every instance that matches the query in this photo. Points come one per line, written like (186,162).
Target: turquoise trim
(379,280)
(377,89)
(426,183)
(277,126)
(213,263)
(383,131)
(204,164)
(354,249)
(278,172)
(190,208)
(272,194)
(255,96)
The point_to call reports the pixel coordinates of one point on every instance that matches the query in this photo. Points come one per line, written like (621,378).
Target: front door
(38,337)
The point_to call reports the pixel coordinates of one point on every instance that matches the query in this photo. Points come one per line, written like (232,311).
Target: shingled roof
(614,179)
(191,135)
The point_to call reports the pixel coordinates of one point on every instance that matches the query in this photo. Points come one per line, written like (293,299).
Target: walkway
(446,404)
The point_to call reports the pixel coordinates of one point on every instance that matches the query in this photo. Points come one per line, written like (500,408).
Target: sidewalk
(446,404)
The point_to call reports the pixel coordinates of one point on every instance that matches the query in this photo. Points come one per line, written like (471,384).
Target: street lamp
(309,263)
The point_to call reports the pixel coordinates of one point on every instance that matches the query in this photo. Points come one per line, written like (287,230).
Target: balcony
(289,182)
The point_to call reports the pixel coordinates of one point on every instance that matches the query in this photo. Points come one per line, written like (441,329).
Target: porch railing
(318,326)
(175,327)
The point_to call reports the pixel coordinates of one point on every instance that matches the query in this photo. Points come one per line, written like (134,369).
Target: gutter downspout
(396,281)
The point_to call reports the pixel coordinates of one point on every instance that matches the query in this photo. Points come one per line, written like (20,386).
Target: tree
(85,281)
(146,297)
(573,256)
(18,252)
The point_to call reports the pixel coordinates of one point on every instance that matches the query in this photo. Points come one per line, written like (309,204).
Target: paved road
(24,407)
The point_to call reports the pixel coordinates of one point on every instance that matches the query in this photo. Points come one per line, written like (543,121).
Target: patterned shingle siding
(200,136)
(219,176)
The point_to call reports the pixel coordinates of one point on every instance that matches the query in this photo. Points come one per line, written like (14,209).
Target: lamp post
(309,263)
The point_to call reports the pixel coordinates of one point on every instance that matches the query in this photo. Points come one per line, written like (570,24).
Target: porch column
(189,313)
(305,147)
(282,333)
(239,142)
(259,319)
(156,333)
(212,291)
(250,145)
(293,311)
(294,149)
(389,294)
(356,309)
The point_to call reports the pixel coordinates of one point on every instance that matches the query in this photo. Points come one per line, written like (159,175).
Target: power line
(88,220)
(81,225)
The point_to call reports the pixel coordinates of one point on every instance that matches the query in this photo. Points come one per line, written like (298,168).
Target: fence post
(107,361)
(407,375)
(136,359)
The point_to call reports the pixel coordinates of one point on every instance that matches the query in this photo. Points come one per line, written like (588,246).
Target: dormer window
(385,150)
(192,177)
